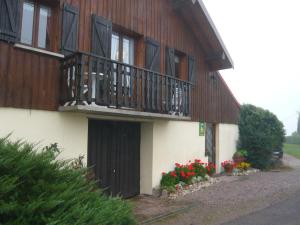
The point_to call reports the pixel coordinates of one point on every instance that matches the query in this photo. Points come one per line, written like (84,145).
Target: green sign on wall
(202,127)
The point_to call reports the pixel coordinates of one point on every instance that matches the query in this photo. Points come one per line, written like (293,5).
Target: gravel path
(229,199)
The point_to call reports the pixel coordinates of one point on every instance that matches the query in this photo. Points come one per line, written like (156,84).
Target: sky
(263,39)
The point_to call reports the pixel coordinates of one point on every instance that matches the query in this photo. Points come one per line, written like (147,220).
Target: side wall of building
(46,127)
(163,143)
(227,136)
(35,82)
(175,142)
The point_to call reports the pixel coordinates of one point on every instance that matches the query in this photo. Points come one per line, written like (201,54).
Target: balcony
(100,85)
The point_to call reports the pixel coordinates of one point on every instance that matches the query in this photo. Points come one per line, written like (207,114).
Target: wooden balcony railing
(92,80)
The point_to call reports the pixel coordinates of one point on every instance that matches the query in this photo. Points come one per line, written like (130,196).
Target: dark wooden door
(114,155)
(210,142)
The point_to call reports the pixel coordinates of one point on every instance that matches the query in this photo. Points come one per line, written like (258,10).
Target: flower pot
(228,170)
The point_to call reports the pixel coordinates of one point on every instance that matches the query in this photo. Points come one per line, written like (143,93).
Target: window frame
(38,4)
(121,37)
(182,65)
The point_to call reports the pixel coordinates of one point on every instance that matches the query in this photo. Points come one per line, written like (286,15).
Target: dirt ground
(229,199)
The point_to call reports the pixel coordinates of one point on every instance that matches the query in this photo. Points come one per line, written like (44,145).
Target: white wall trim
(29,48)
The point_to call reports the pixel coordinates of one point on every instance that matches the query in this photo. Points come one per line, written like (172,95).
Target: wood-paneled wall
(30,80)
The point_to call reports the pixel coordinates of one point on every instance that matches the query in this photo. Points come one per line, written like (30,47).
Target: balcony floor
(102,110)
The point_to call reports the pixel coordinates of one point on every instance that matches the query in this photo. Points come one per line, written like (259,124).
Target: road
(266,198)
(286,212)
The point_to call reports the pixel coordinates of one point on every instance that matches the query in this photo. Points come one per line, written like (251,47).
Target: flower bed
(197,175)
(196,185)
(241,168)
(238,172)
(193,175)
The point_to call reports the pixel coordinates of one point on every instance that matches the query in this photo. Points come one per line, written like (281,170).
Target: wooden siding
(28,80)
(212,101)
(37,86)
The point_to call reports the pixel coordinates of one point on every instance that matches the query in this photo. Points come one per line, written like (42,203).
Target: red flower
(163,173)
(178,165)
(173,174)
(182,174)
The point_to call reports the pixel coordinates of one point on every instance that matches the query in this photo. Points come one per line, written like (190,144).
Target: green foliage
(293,139)
(292,149)
(260,134)
(298,126)
(35,188)
(169,180)
(200,170)
(243,152)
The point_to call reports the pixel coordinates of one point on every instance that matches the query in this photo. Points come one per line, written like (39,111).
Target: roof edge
(214,28)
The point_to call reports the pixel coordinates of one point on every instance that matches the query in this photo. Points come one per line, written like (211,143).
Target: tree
(260,134)
(298,128)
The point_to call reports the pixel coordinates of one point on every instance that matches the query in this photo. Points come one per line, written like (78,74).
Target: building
(127,83)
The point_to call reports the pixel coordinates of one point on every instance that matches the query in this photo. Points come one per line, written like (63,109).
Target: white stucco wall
(146,158)
(175,141)
(163,143)
(69,130)
(226,141)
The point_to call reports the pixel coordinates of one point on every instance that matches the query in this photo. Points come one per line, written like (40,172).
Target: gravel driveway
(224,201)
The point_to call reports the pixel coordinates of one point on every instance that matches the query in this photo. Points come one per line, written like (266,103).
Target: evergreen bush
(36,188)
(261,133)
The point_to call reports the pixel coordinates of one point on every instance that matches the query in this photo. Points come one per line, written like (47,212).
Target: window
(36,24)
(177,66)
(122,48)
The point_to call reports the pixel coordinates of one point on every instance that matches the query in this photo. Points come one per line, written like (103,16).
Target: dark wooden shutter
(101,36)
(152,55)
(9,20)
(192,69)
(70,29)
(170,62)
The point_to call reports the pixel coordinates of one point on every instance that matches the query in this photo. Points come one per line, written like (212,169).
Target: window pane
(177,66)
(44,27)
(115,47)
(128,51)
(27,23)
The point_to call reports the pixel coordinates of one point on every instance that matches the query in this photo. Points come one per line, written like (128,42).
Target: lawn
(293,150)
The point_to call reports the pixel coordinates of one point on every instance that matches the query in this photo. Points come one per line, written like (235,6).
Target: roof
(198,19)
(216,32)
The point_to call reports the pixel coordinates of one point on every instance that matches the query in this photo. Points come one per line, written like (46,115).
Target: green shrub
(200,170)
(240,156)
(260,134)
(169,180)
(35,188)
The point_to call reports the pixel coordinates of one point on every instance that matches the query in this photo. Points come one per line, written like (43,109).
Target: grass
(293,150)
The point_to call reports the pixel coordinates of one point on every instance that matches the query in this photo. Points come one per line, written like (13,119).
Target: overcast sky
(263,38)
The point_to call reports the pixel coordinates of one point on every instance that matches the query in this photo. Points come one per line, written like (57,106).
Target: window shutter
(70,29)
(192,69)
(170,62)
(9,20)
(152,55)
(101,36)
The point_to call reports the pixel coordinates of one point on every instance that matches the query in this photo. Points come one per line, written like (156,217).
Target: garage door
(114,154)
